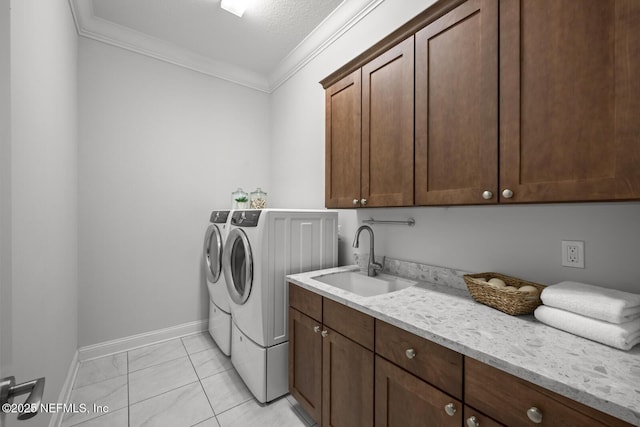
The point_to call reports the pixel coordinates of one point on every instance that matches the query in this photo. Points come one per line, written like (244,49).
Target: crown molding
(332,28)
(348,14)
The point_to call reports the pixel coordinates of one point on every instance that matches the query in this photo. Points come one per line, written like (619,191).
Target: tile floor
(186,382)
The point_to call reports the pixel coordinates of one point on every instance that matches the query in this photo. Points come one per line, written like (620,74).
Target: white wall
(160,147)
(524,241)
(5,193)
(43,194)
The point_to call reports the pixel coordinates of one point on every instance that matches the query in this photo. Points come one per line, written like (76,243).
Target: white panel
(330,247)
(220,328)
(250,360)
(277,371)
(279,265)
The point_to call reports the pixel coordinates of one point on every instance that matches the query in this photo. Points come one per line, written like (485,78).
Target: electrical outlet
(573,253)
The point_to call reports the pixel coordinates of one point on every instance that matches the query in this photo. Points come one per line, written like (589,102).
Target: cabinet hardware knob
(316,329)
(472,421)
(507,194)
(410,353)
(355,202)
(324,333)
(363,202)
(534,415)
(487,195)
(450,409)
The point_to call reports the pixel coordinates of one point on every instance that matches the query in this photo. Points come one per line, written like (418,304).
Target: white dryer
(263,246)
(219,310)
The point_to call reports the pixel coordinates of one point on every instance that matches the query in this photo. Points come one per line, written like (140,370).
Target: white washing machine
(219,310)
(263,246)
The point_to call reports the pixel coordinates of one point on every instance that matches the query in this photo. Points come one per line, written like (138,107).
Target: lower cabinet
(340,360)
(347,382)
(516,402)
(331,372)
(403,400)
(305,362)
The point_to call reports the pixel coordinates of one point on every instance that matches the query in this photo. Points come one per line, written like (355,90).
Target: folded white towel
(622,336)
(605,304)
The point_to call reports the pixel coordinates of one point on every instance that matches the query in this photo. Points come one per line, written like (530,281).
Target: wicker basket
(508,301)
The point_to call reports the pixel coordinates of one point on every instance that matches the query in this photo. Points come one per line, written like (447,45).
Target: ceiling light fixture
(237,7)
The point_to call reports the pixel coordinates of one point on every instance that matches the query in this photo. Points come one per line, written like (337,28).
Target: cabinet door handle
(410,353)
(363,202)
(324,333)
(507,194)
(487,195)
(472,421)
(450,409)
(534,414)
(9,390)
(355,202)
(316,329)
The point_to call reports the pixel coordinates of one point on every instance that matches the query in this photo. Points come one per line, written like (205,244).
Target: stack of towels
(607,316)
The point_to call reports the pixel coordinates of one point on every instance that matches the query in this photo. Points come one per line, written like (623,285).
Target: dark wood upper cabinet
(387,128)
(456,103)
(515,101)
(343,142)
(570,100)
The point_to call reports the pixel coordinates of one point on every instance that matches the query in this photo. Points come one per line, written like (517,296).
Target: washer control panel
(246,218)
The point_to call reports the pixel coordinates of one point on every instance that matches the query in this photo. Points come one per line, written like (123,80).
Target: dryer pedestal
(220,327)
(265,371)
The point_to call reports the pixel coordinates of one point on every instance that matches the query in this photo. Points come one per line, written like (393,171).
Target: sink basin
(361,284)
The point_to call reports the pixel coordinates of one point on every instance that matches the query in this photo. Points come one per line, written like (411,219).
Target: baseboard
(134,341)
(65,392)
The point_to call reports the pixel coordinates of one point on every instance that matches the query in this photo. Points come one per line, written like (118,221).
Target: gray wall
(160,147)
(524,241)
(5,194)
(42,194)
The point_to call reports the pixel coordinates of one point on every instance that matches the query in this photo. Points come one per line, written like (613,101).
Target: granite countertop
(440,309)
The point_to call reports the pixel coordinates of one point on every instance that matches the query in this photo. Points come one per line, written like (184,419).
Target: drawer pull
(324,333)
(472,421)
(316,329)
(534,415)
(410,353)
(450,409)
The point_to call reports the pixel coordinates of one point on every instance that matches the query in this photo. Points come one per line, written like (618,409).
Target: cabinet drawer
(507,399)
(430,361)
(305,301)
(351,323)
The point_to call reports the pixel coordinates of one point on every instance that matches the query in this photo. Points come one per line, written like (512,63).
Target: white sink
(361,284)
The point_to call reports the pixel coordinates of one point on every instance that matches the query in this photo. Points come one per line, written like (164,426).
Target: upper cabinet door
(343,142)
(570,100)
(387,128)
(457,107)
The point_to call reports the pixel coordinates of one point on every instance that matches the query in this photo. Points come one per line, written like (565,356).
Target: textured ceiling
(258,41)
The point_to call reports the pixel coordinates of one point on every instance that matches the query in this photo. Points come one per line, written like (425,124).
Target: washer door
(238,266)
(213,253)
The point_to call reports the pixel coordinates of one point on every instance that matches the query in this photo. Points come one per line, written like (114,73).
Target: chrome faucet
(372,266)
